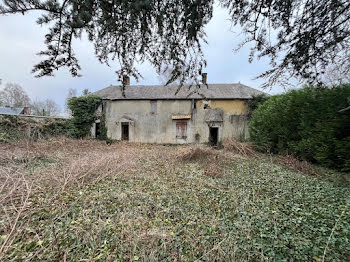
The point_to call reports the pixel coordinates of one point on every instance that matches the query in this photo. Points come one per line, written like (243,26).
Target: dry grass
(197,153)
(296,165)
(210,160)
(57,165)
(240,148)
(246,149)
(62,197)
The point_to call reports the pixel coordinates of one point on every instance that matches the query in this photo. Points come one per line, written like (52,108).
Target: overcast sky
(21,38)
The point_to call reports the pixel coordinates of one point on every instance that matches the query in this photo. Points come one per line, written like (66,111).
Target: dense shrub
(15,128)
(58,127)
(84,114)
(256,101)
(306,123)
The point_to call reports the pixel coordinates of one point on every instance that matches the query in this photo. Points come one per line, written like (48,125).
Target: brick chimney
(126,80)
(26,110)
(204,78)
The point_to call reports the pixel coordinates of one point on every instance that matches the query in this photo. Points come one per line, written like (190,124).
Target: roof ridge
(210,84)
(214,91)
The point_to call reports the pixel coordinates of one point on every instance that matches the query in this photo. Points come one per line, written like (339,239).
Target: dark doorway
(97,130)
(213,136)
(125,131)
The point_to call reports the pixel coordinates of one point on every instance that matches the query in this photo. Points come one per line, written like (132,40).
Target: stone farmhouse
(207,113)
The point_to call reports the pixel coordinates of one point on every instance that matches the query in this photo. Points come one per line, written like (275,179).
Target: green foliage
(103,131)
(154,209)
(60,127)
(103,128)
(306,123)
(84,114)
(299,37)
(14,128)
(9,129)
(128,31)
(256,101)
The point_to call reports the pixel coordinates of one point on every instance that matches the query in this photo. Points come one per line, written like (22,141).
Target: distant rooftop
(210,91)
(11,110)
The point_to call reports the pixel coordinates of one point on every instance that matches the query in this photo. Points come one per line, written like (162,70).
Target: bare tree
(165,77)
(2,102)
(85,92)
(14,95)
(338,73)
(72,92)
(46,107)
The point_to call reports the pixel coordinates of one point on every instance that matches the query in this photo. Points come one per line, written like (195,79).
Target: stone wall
(151,121)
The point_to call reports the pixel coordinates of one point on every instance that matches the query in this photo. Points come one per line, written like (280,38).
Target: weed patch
(240,148)
(196,153)
(137,202)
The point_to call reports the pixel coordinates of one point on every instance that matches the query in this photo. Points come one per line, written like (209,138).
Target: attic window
(153,104)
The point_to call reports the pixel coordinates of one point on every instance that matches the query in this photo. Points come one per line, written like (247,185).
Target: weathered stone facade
(158,126)
(175,120)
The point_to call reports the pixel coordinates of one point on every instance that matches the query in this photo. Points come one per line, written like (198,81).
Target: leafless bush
(296,165)
(213,169)
(55,166)
(241,148)
(196,153)
(210,160)
(15,191)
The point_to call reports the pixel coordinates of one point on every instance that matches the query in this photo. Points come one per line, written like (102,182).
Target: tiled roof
(211,91)
(11,110)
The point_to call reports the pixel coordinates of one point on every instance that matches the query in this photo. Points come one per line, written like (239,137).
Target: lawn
(83,200)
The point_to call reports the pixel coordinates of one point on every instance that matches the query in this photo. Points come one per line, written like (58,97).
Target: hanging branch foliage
(301,38)
(132,32)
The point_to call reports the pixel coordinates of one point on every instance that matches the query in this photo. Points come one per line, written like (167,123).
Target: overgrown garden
(75,199)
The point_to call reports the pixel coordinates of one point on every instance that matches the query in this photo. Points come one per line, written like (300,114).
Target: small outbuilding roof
(210,91)
(11,110)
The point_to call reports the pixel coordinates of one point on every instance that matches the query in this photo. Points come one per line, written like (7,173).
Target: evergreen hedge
(308,123)
(84,114)
(15,128)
